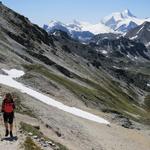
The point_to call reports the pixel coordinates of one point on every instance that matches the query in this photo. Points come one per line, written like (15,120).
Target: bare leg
(11,127)
(6,126)
(7,132)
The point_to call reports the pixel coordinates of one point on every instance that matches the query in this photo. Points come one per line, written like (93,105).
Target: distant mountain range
(123,21)
(118,22)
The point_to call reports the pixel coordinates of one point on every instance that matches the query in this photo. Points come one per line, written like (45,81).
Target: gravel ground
(80,134)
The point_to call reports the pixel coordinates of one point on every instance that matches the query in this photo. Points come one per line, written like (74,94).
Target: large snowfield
(9,80)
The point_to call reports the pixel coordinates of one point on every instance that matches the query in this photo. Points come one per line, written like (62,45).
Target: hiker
(8,107)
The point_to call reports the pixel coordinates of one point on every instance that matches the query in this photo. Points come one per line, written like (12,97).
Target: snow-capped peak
(76,22)
(78,28)
(122,21)
(55,22)
(126,14)
(56,25)
(118,16)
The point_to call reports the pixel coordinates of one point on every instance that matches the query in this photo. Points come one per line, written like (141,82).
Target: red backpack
(8,107)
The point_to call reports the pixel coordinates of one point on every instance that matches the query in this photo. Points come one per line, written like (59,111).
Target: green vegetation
(29,128)
(30,145)
(147,102)
(109,94)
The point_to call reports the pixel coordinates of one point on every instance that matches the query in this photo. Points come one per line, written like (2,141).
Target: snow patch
(116,67)
(104,52)
(128,56)
(14,73)
(9,81)
(148,44)
(148,84)
(95,28)
(134,37)
(140,30)
(135,57)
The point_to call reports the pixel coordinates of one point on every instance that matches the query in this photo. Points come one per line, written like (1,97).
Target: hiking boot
(11,134)
(7,132)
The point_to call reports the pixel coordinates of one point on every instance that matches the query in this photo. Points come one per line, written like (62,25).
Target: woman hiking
(8,107)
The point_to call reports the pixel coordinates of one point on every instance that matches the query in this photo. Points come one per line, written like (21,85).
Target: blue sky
(42,11)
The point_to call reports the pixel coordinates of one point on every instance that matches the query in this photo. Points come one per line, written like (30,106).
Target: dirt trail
(110,138)
(8,143)
(74,132)
(16,143)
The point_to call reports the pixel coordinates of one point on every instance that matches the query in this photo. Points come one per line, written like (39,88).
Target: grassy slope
(30,145)
(109,94)
(29,128)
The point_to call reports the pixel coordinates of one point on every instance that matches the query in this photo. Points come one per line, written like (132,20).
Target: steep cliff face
(140,34)
(21,29)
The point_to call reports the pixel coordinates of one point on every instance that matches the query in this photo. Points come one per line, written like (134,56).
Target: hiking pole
(3,125)
(1,119)
(15,122)
(1,114)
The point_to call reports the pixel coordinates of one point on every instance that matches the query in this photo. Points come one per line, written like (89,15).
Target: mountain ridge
(117,22)
(140,33)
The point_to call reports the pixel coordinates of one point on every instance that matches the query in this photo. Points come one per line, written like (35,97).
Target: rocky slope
(78,75)
(48,128)
(141,34)
(120,47)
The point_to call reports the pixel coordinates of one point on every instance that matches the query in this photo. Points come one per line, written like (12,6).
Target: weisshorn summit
(71,95)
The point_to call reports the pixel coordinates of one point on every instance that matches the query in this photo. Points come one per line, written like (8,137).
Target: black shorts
(8,117)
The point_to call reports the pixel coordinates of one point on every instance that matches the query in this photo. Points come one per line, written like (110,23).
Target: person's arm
(14,106)
(2,108)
